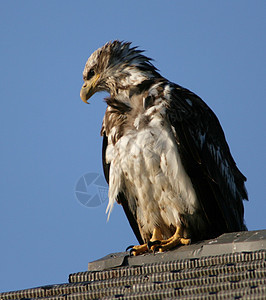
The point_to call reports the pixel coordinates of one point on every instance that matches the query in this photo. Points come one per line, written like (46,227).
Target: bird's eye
(90,74)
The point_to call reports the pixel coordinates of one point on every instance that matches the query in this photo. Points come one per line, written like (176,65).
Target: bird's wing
(130,210)
(218,183)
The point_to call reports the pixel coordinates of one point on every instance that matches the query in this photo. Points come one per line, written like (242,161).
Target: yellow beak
(89,88)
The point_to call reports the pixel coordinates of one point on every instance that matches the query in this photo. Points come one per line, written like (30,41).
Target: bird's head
(116,67)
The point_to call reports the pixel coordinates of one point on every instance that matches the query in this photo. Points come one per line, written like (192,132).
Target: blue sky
(50,138)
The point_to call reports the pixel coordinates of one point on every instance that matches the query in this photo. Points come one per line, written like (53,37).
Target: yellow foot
(148,247)
(137,250)
(173,241)
(156,243)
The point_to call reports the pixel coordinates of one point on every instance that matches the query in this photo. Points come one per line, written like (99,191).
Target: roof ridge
(167,266)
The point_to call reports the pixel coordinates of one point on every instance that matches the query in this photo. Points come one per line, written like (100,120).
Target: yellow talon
(163,245)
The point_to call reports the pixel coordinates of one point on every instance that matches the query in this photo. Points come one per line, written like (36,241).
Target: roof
(231,266)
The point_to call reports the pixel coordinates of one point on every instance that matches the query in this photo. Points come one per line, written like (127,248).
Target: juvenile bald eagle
(165,156)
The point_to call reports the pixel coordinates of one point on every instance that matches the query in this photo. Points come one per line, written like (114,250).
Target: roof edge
(245,241)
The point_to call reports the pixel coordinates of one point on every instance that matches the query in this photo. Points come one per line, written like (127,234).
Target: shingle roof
(229,267)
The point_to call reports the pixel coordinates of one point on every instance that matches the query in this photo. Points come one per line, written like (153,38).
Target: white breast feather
(146,164)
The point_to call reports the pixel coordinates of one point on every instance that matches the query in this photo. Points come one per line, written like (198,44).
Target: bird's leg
(157,243)
(154,241)
(173,241)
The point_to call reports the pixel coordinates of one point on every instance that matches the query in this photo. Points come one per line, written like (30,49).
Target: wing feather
(207,159)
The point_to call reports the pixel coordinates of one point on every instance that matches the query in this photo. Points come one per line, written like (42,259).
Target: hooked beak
(89,88)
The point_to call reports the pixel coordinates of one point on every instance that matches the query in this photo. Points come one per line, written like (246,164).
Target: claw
(132,251)
(157,248)
(150,244)
(129,247)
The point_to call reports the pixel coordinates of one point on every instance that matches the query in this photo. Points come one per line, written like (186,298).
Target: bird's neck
(123,86)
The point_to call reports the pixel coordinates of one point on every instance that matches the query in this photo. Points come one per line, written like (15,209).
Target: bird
(165,156)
